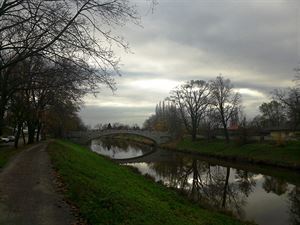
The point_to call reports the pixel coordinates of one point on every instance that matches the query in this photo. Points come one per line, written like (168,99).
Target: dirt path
(27,191)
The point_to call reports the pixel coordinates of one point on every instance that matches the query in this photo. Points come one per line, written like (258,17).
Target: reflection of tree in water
(275,185)
(294,197)
(245,181)
(206,183)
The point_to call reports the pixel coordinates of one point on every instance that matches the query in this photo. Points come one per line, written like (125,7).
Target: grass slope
(107,193)
(288,155)
(6,152)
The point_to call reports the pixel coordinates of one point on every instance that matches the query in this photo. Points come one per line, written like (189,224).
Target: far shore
(260,153)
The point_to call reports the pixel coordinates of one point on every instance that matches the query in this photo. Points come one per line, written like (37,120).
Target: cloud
(93,115)
(254,43)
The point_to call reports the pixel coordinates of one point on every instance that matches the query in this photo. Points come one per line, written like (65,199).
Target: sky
(256,44)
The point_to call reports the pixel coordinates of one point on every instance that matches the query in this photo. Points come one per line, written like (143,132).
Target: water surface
(118,150)
(248,194)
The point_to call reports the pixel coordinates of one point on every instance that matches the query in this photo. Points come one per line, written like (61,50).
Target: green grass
(288,155)
(107,193)
(6,153)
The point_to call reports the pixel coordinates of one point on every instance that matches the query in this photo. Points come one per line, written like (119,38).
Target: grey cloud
(261,37)
(254,43)
(93,115)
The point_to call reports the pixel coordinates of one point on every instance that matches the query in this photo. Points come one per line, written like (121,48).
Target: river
(264,195)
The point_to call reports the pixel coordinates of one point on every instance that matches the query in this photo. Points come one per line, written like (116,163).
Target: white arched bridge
(86,136)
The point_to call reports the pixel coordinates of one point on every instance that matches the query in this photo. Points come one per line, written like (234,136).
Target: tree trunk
(226,187)
(194,131)
(194,135)
(39,126)
(31,132)
(18,133)
(195,179)
(23,135)
(3,99)
(43,134)
(2,111)
(226,132)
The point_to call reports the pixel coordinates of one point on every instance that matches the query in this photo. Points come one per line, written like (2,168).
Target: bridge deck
(86,136)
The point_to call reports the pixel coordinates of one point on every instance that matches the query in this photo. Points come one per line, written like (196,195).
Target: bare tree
(290,98)
(166,118)
(225,100)
(46,84)
(29,27)
(210,122)
(273,113)
(192,99)
(81,33)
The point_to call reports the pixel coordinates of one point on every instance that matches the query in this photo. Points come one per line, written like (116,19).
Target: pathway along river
(266,196)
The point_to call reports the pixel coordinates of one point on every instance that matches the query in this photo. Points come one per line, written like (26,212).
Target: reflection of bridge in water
(86,136)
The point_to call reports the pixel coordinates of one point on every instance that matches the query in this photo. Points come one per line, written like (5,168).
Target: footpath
(28,194)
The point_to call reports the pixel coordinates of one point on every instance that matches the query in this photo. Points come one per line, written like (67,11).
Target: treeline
(204,107)
(52,53)
(115,126)
(45,97)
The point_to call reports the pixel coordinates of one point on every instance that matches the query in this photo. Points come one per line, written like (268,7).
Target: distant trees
(63,32)
(192,99)
(198,104)
(51,54)
(116,126)
(59,119)
(273,114)
(204,107)
(281,112)
(46,87)
(225,101)
(210,123)
(166,118)
(290,100)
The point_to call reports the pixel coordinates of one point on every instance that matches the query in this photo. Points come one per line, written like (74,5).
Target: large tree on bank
(192,99)
(225,101)
(79,32)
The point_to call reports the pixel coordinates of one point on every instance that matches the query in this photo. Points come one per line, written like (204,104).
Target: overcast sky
(254,43)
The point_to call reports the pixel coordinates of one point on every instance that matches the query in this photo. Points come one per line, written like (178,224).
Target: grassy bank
(265,153)
(6,153)
(107,193)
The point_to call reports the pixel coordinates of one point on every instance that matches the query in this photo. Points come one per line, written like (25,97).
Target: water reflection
(274,185)
(116,149)
(294,197)
(248,195)
(218,186)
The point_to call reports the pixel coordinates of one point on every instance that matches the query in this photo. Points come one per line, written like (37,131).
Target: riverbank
(267,153)
(107,193)
(29,191)
(7,152)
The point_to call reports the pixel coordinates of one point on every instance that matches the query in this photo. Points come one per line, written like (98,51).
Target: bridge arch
(117,133)
(86,136)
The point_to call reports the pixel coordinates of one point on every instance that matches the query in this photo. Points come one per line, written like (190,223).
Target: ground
(28,191)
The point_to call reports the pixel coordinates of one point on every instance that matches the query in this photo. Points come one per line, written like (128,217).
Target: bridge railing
(158,137)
